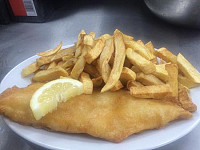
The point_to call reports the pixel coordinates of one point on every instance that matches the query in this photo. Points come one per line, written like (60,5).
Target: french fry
(87,83)
(88,40)
(80,63)
(188,69)
(69,63)
(93,34)
(97,82)
(104,59)
(94,52)
(52,65)
(78,51)
(58,56)
(143,51)
(30,69)
(117,86)
(67,57)
(131,83)
(125,37)
(104,37)
(161,73)
(181,86)
(69,70)
(51,52)
(172,70)
(150,46)
(148,79)
(151,49)
(141,63)
(152,91)
(50,74)
(166,55)
(126,75)
(135,69)
(186,82)
(120,53)
(91,70)
(140,42)
(60,63)
(80,38)
(185,100)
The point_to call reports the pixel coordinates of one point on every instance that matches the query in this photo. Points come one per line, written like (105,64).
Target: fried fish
(111,115)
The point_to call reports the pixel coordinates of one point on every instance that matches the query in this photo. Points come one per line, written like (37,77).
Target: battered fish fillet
(111,115)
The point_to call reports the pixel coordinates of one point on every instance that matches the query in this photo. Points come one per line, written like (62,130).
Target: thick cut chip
(97,82)
(88,40)
(172,70)
(166,55)
(50,74)
(78,51)
(80,38)
(69,63)
(126,75)
(135,69)
(58,56)
(150,46)
(67,57)
(87,83)
(50,52)
(93,34)
(104,59)
(60,63)
(30,69)
(188,69)
(120,53)
(140,62)
(148,79)
(186,82)
(131,83)
(52,65)
(143,51)
(161,73)
(80,63)
(94,52)
(152,91)
(91,70)
(185,100)
(125,37)
(140,42)
(151,49)
(117,86)
(181,86)
(104,37)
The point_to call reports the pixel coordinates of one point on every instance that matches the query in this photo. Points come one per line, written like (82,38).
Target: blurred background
(31,26)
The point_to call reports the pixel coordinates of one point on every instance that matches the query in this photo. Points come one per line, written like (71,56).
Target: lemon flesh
(46,98)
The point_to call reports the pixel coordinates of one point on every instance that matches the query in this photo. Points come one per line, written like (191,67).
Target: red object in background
(18,7)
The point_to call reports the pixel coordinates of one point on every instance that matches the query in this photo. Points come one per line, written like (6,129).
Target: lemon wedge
(46,98)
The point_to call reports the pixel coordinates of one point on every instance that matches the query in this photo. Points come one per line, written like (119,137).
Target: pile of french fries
(112,62)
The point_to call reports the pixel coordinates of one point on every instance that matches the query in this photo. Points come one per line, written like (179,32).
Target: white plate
(146,140)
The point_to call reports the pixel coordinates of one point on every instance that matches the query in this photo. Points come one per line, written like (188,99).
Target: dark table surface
(19,41)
